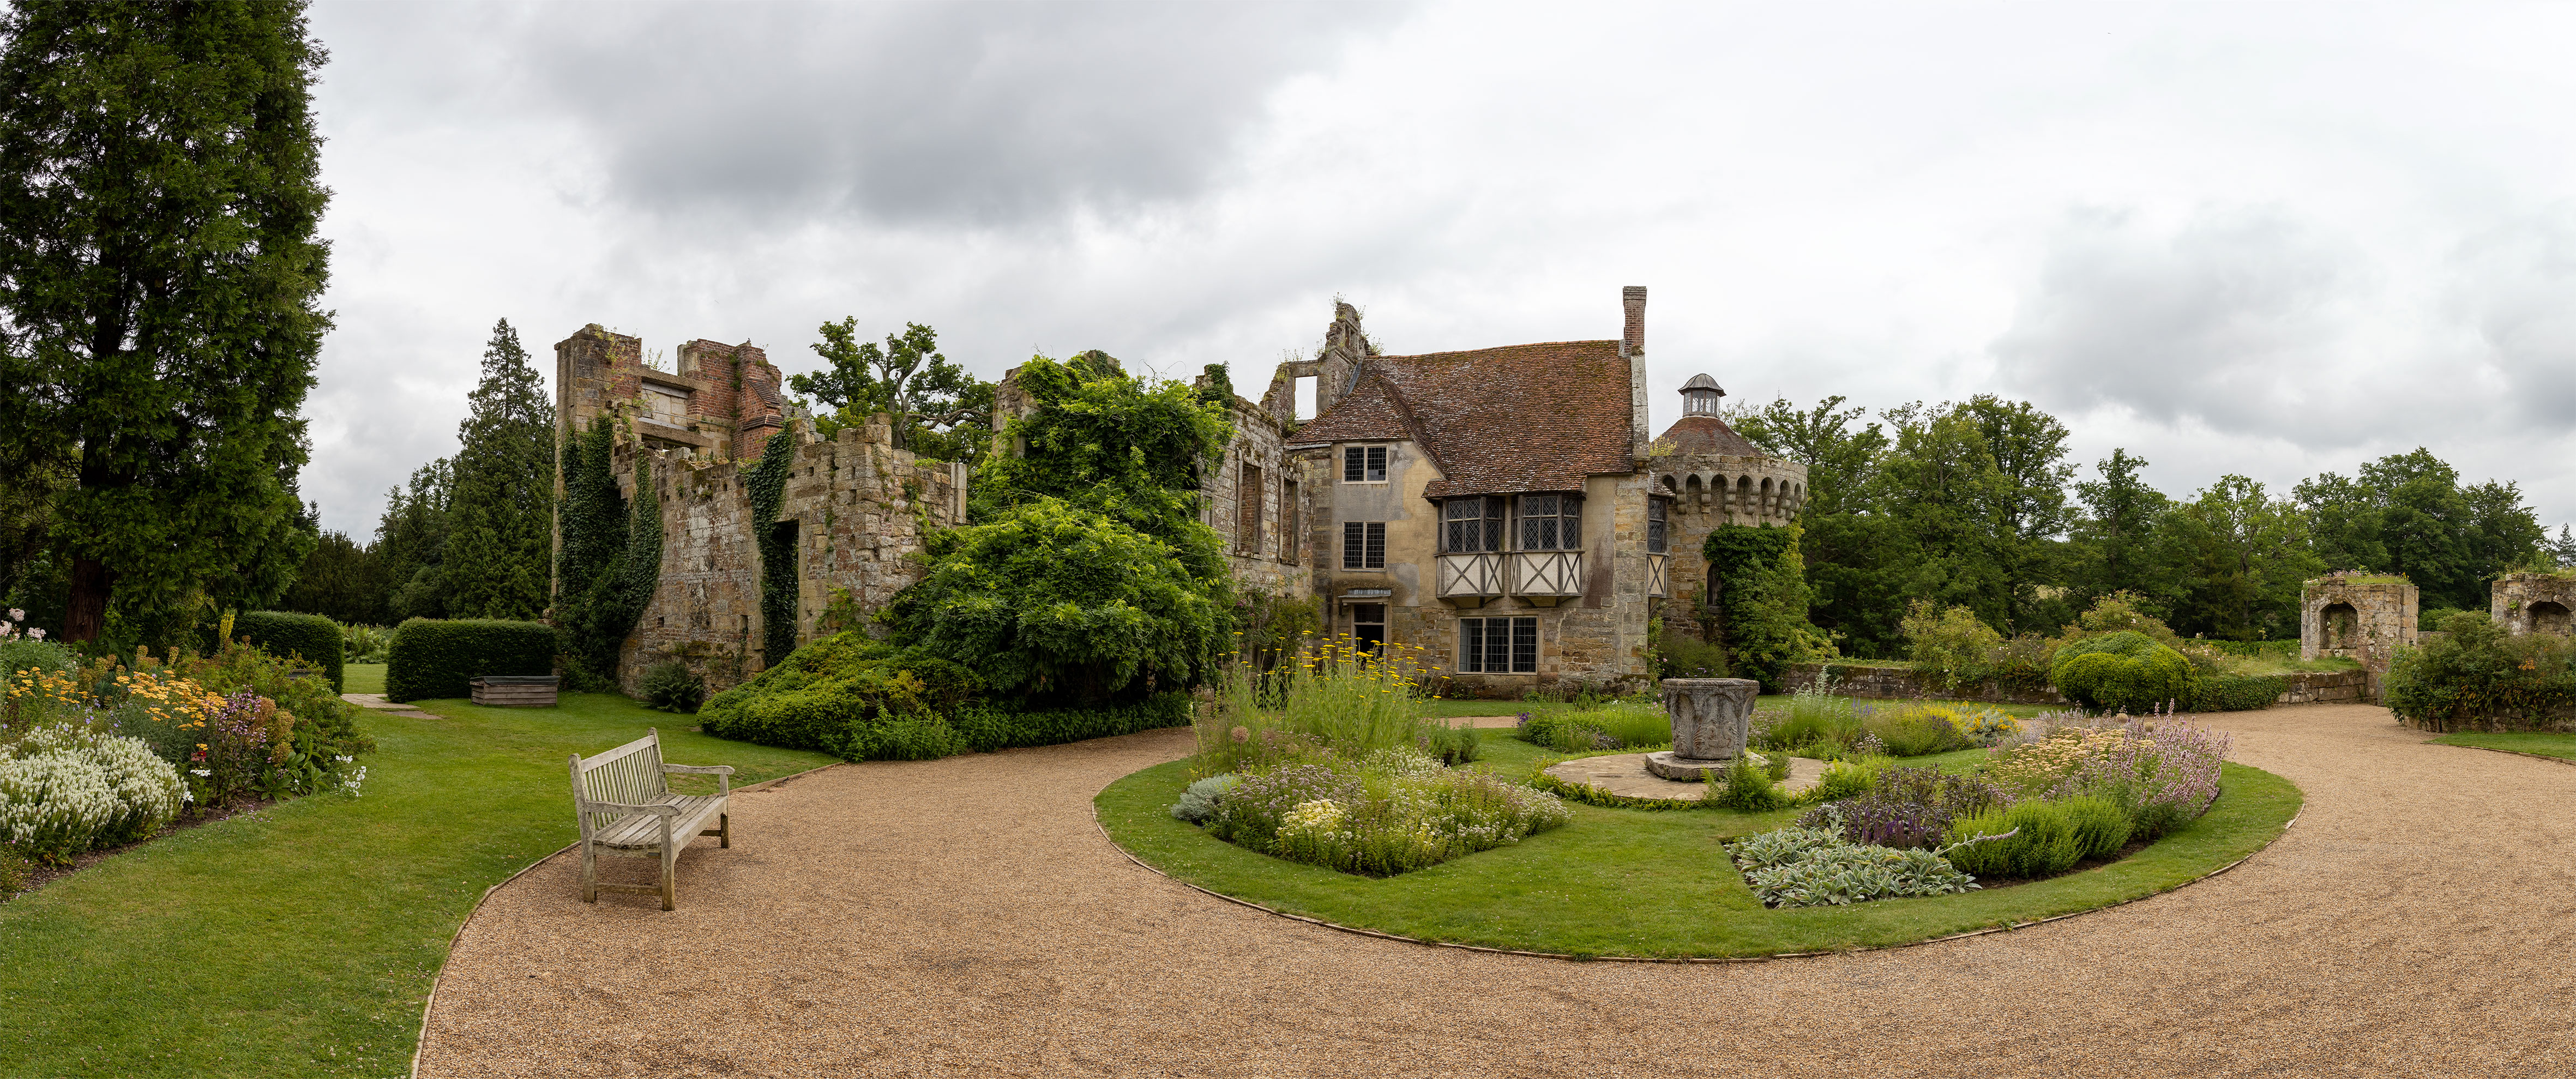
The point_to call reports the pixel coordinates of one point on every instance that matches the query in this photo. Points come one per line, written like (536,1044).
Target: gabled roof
(1497,420)
(1705,434)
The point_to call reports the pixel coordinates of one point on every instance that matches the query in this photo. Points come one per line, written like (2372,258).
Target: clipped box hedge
(431,658)
(308,637)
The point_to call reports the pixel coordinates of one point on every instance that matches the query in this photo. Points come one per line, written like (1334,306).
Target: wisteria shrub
(67,788)
(1340,815)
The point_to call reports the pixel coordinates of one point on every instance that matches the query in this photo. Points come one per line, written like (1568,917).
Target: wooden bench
(626,809)
(514,690)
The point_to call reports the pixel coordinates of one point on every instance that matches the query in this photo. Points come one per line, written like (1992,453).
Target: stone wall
(2533,602)
(860,507)
(1902,683)
(2367,617)
(1264,540)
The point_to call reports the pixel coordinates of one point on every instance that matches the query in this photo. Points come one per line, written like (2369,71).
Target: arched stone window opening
(1693,494)
(2339,625)
(2549,617)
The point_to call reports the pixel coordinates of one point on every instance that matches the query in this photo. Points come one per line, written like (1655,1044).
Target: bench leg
(589,874)
(670,876)
(724,831)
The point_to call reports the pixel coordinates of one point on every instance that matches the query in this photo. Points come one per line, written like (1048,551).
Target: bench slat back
(630,774)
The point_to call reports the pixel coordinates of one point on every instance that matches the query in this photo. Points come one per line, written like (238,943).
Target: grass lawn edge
(2295,804)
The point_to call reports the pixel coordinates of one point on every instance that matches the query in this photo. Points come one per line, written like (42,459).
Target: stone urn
(1711,717)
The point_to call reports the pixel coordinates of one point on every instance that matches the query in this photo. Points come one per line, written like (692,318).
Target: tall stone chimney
(1632,347)
(1633,341)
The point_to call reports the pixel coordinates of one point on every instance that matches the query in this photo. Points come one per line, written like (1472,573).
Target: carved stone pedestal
(1711,717)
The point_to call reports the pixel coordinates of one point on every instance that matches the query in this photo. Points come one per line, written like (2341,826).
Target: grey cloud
(2514,285)
(977,114)
(2218,321)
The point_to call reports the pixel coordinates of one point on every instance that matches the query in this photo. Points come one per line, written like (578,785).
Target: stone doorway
(2549,617)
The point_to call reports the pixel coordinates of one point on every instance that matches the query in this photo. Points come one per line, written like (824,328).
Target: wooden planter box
(515,691)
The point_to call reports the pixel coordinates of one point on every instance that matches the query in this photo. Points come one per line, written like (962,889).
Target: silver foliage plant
(1198,803)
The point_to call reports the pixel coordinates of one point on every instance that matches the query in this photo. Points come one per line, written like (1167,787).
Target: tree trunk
(86,615)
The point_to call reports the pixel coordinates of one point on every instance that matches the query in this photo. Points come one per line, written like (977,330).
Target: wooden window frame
(1548,522)
(1365,464)
(1363,545)
(1510,640)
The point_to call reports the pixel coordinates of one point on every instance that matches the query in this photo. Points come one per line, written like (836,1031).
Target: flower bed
(1396,813)
(2038,808)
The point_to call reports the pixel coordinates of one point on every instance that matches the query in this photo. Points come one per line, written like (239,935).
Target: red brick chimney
(1633,341)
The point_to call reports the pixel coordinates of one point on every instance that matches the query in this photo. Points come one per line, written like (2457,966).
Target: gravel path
(962,917)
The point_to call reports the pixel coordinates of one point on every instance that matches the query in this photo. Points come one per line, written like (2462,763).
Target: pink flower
(36,633)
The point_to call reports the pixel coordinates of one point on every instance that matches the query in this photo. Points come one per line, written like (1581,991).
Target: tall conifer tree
(501,518)
(159,272)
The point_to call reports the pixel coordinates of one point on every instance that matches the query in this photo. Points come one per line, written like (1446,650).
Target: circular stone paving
(966,917)
(1625,774)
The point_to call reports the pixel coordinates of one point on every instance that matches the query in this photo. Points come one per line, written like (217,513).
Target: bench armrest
(722,772)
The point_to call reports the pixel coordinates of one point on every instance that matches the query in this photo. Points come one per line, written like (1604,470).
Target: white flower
(200,772)
(16,615)
(36,633)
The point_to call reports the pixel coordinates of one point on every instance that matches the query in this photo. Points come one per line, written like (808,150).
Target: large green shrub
(2123,671)
(1951,647)
(309,637)
(2475,674)
(864,699)
(432,658)
(1054,602)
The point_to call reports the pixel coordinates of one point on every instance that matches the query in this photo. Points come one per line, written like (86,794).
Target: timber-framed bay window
(1472,532)
(1547,552)
(1551,523)
(1498,645)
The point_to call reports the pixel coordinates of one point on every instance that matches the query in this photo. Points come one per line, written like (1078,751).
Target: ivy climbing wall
(849,511)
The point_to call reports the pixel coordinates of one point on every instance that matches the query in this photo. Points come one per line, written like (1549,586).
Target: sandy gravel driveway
(963,918)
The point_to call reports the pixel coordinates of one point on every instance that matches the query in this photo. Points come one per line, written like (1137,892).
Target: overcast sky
(2268,239)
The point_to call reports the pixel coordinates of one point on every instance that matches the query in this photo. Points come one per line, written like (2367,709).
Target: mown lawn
(302,939)
(2546,745)
(362,678)
(1634,882)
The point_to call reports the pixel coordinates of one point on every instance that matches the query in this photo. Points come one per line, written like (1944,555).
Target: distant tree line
(1974,504)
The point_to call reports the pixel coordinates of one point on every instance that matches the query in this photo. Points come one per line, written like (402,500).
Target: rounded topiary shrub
(2125,671)
(309,637)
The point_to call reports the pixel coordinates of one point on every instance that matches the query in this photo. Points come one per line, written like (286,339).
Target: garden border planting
(1123,852)
(2266,806)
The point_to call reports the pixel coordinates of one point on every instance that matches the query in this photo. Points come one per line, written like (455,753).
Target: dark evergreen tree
(411,541)
(341,580)
(501,517)
(159,272)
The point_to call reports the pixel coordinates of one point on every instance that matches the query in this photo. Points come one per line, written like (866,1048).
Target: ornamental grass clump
(1333,697)
(1341,815)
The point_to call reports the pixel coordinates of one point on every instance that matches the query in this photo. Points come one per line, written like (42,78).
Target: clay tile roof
(1496,420)
(1705,434)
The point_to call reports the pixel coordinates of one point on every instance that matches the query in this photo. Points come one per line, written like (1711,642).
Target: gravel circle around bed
(964,917)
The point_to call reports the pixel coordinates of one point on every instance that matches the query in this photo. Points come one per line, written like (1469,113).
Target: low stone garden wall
(1900,683)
